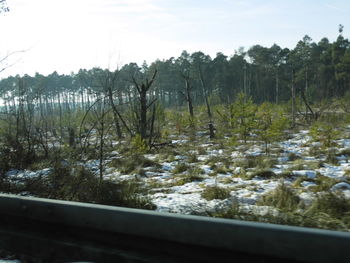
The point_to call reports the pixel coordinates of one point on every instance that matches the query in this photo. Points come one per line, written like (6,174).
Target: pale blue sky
(66,35)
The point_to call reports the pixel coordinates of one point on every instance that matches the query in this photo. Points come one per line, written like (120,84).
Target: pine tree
(242,116)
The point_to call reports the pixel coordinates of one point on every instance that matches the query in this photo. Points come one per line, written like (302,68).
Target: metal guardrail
(59,231)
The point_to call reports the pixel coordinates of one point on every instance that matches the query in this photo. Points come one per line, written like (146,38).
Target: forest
(261,135)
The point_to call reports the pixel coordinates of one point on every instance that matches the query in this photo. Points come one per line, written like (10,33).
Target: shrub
(221,169)
(242,116)
(138,144)
(193,174)
(261,162)
(130,194)
(270,124)
(180,168)
(264,173)
(76,183)
(333,204)
(215,192)
(282,198)
(324,183)
(324,133)
(201,151)
(215,160)
(298,164)
(332,158)
(192,158)
(292,156)
(131,163)
(344,152)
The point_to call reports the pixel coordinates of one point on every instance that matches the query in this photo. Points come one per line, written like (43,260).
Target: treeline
(318,70)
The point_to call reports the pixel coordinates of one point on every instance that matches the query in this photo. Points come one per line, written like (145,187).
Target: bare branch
(150,104)
(183,94)
(2,60)
(149,84)
(136,84)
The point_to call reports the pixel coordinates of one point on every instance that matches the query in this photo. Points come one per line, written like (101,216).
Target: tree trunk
(189,98)
(142,91)
(277,86)
(205,94)
(115,113)
(293,100)
(143,112)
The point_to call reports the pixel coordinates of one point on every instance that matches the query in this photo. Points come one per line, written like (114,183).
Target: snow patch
(310,174)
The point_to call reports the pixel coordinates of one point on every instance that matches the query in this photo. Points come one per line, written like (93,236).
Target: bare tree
(142,93)
(205,94)
(187,94)
(293,99)
(109,83)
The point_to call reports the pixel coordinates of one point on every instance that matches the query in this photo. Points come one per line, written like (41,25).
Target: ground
(208,177)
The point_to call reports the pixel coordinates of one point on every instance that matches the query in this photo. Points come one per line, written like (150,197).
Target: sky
(67,35)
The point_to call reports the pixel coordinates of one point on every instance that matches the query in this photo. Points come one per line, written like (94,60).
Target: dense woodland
(320,70)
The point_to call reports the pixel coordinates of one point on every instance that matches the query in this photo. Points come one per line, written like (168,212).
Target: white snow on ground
(308,173)
(255,151)
(190,203)
(308,184)
(307,197)
(187,199)
(215,152)
(20,175)
(333,170)
(206,168)
(179,141)
(166,166)
(340,186)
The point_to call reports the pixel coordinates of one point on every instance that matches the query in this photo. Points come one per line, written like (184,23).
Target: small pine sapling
(138,144)
(270,124)
(324,133)
(242,116)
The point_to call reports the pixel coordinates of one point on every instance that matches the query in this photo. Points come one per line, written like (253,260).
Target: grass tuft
(215,192)
(283,198)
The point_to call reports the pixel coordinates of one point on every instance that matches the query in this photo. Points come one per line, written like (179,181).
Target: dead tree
(316,112)
(293,100)
(210,115)
(142,92)
(187,94)
(110,83)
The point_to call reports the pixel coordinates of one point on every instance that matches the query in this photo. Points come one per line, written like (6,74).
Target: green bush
(192,158)
(324,133)
(262,162)
(332,158)
(242,116)
(135,161)
(180,168)
(316,219)
(283,197)
(333,204)
(193,174)
(214,160)
(292,156)
(324,183)
(264,173)
(138,144)
(215,192)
